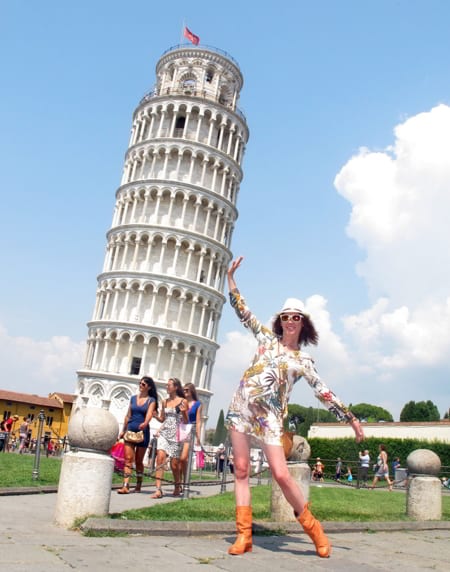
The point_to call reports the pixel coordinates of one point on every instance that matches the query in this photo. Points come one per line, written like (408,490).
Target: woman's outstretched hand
(231,270)
(359,433)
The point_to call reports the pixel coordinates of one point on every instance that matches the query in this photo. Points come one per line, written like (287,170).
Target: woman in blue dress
(138,417)
(194,420)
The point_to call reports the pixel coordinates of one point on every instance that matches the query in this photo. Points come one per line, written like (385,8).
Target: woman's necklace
(290,347)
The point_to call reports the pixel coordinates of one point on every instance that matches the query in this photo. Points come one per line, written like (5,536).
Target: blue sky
(344,200)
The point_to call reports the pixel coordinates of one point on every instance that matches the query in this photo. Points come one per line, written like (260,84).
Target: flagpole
(182,31)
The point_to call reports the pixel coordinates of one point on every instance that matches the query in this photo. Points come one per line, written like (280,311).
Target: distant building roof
(30,399)
(65,397)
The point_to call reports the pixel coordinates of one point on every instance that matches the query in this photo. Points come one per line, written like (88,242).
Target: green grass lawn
(17,470)
(328,503)
(337,503)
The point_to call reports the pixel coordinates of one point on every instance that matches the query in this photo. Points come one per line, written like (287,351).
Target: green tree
(307,416)
(309,420)
(209,436)
(408,411)
(220,434)
(371,413)
(420,411)
(433,411)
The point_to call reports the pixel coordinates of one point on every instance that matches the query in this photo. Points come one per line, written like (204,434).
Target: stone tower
(160,294)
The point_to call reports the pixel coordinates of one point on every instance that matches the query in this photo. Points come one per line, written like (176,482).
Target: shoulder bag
(134,436)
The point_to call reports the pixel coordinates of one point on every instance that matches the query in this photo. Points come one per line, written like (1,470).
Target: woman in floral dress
(259,406)
(173,412)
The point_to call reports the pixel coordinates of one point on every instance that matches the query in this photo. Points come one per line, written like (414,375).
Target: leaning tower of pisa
(160,294)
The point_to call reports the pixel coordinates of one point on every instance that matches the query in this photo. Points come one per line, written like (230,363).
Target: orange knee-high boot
(243,541)
(314,530)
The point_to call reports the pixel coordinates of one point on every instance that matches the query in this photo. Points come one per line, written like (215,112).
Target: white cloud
(400,199)
(39,367)
(400,202)
(397,349)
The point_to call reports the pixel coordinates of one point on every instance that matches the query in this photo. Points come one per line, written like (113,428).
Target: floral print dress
(259,405)
(168,433)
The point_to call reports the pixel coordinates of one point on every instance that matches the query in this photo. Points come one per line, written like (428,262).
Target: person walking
(10,437)
(260,404)
(349,474)
(338,471)
(220,459)
(140,412)
(194,420)
(382,471)
(318,470)
(173,413)
(23,434)
(364,462)
(9,423)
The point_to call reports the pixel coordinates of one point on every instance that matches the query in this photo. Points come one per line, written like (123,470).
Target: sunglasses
(293,317)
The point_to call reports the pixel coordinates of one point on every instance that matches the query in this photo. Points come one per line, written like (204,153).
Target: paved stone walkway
(30,540)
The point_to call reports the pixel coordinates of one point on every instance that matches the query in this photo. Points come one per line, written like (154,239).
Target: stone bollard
(424,496)
(281,510)
(86,474)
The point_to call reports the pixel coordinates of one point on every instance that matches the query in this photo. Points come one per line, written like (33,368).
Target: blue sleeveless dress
(138,413)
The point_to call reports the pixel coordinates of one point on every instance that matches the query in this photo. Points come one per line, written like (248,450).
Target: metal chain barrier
(153,468)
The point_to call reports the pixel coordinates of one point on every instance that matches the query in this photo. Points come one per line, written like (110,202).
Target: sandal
(124,490)
(158,494)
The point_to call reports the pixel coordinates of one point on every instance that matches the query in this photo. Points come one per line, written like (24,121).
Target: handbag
(134,436)
(118,454)
(288,443)
(184,432)
(287,438)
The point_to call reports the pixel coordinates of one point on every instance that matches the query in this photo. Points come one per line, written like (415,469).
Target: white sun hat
(293,305)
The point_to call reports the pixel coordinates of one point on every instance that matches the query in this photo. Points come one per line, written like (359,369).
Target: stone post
(424,496)
(86,474)
(298,467)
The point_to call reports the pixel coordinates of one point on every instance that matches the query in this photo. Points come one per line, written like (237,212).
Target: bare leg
(294,495)
(139,460)
(128,468)
(160,462)
(278,466)
(241,459)
(389,482)
(176,472)
(184,462)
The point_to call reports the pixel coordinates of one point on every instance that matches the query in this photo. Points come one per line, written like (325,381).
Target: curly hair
(308,333)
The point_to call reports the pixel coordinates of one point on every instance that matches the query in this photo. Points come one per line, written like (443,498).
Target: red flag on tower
(191,37)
